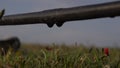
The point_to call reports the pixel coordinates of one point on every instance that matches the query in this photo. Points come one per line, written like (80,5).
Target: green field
(60,56)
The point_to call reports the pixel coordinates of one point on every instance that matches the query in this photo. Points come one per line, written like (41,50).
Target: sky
(101,32)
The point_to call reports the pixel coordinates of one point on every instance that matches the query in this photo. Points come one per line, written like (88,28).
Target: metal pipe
(61,15)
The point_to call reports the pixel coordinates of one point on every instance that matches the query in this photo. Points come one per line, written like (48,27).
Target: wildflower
(106,51)
(48,48)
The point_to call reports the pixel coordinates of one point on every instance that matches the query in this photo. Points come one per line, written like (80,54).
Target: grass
(60,56)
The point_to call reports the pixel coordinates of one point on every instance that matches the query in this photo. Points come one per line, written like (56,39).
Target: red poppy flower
(48,48)
(106,51)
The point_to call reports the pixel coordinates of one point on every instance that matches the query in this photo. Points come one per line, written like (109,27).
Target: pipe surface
(61,15)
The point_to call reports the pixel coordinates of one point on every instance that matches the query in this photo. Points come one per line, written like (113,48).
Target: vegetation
(60,56)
